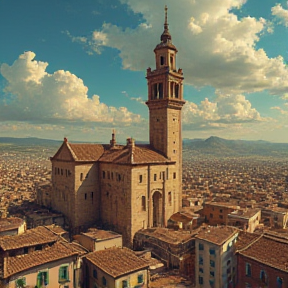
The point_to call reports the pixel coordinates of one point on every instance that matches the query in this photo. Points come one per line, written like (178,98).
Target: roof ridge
(251,243)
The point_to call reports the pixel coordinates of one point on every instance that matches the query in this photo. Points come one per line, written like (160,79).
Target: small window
(38,247)
(62,172)
(95,273)
(279,282)
(221,216)
(211,215)
(221,210)
(103,174)
(212,274)
(177,91)
(212,251)
(63,274)
(108,175)
(140,178)
(170,198)
(263,276)
(42,277)
(228,262)
(155,177)
(104,281)
(248,271)
(212,263)
(162,60)
(201,270)
(200,260)
(174,151)
(81,176)
(174,175)
(171,60)
(124,284)
(85,196)
(143,204)
(140,278)
(25,250)
(92,195)
(201,280)
(201,246)
(119,177)
(58,170)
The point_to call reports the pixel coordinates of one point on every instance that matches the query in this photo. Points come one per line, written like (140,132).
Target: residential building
(215,264)
(12,226)
(262,262)
(115,267)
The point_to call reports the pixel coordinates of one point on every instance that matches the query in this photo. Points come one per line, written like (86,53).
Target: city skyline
(77,69)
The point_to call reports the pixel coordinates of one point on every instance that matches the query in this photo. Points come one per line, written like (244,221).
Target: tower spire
(166,37)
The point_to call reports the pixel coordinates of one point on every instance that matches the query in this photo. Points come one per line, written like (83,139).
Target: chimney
(113,140)
(131,146)
(65,140)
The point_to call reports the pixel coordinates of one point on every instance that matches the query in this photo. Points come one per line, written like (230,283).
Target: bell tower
(165,101)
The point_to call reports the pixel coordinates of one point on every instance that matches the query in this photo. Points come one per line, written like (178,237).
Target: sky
(77,69)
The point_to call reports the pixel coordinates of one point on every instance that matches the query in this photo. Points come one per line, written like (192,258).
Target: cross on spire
(166,37)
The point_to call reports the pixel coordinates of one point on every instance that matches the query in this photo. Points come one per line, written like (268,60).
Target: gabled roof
(24,262)
(139,154)
(32,237)
(120,154)
(269,251)
(117,261)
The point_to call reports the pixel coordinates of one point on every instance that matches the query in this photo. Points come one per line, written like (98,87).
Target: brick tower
(165,101)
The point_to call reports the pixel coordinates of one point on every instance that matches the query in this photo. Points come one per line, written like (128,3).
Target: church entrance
(157,209)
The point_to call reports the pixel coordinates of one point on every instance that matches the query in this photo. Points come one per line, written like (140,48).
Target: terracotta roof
(86,152)
(12,223)
(24,262)
(117,261)
(244,239)
(56,229)
(141,154)
(119,154)
(100,235)
(269,251)
(32,237)
(181,217)
(217,235)
(245,213)
(168,235)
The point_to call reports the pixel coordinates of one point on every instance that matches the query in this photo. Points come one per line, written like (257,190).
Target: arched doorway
(157,209)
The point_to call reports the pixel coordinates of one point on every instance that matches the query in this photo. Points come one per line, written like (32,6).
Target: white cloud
(32,94)
(216,48)
(223,112)
(281,14)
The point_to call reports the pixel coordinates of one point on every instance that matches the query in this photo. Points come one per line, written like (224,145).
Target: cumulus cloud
(224,111)
(32,94)
(216,48)
(281,14)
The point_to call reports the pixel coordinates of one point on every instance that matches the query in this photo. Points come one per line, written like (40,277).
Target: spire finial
(166,9)
(165,37)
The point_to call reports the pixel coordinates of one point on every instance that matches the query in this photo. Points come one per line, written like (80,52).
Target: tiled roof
(24,262)
(168,235)
(99,235)
(32,237)
(217,235)
(119,154)
(244,239)
(141,154)
(269,251)
(12,223)
(117,261)
(86,152)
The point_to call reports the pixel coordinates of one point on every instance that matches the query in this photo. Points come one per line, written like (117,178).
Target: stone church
(128,187)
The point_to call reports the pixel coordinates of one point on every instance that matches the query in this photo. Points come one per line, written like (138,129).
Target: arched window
(104,281)
(162,60)
(177,91)
(263,276)
(279,282)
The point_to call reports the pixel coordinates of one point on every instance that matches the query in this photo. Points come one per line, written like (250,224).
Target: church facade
(128,187)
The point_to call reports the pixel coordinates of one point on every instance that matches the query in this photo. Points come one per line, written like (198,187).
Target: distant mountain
(30,141)
(222,147)
(212,146)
